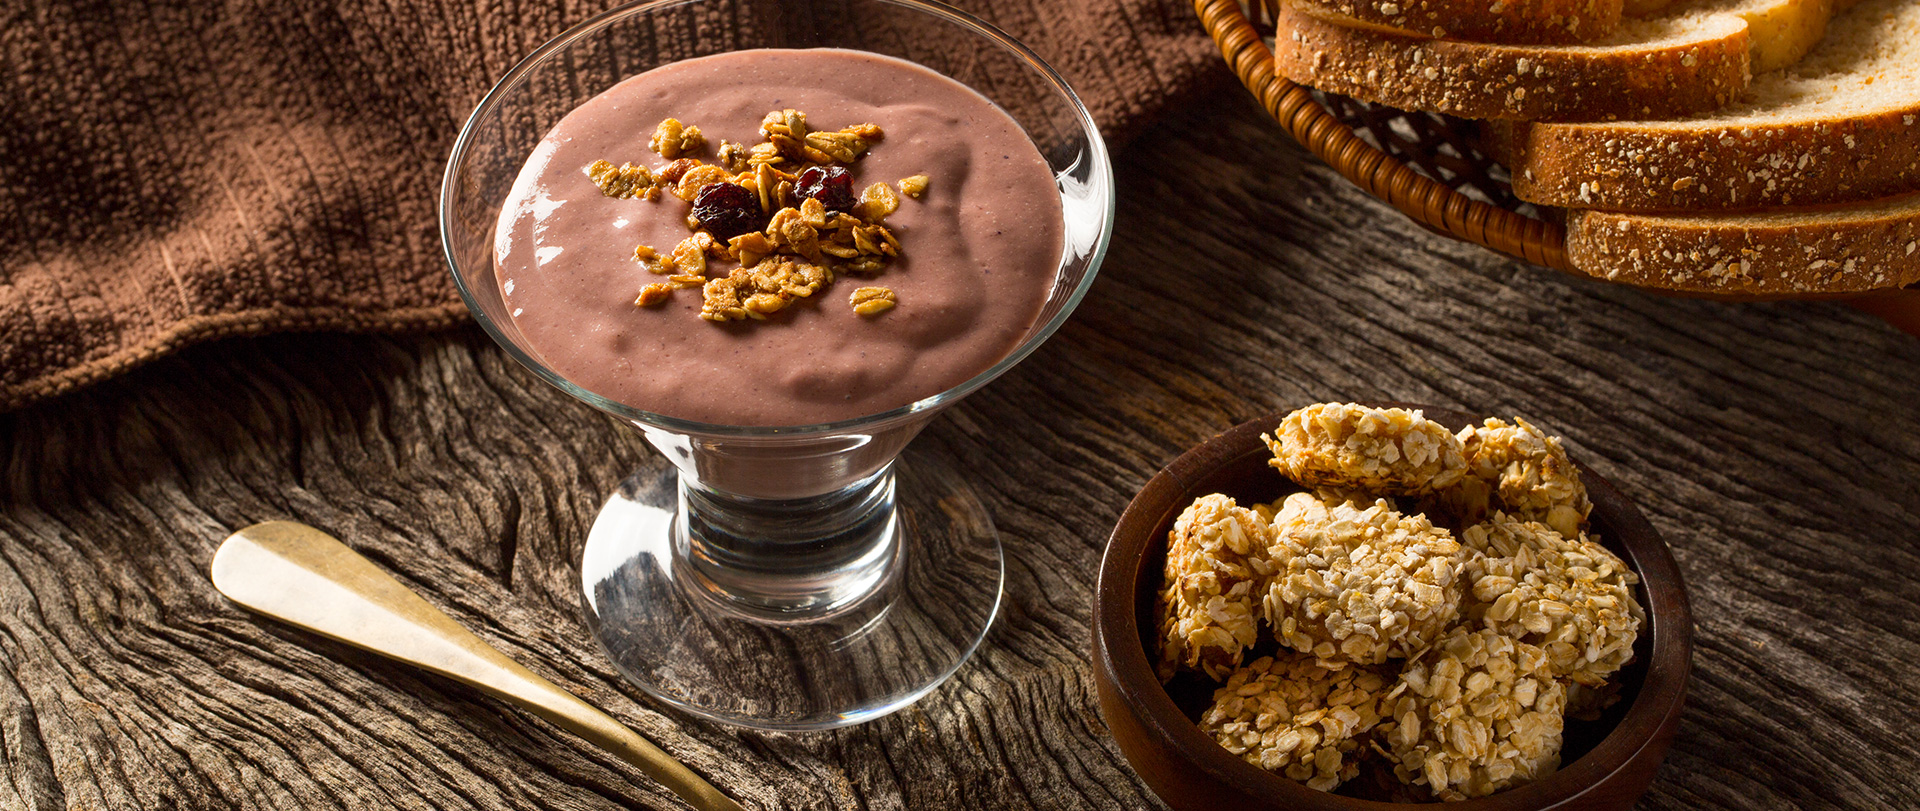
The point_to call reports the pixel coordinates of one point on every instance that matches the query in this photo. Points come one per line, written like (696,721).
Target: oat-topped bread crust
(1215,577)
(1478,713)
(1688,58)
(1289,715)
(1355,448)
(1518,22)
(1842,125)
(1360,583)
(1834,249)
(1566,594)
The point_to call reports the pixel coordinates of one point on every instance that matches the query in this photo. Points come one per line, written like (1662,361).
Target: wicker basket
(1427,165)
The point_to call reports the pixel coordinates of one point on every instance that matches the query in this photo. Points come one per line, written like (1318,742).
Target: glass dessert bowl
(781,576)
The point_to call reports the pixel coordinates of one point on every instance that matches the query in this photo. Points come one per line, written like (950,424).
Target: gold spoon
(304,577)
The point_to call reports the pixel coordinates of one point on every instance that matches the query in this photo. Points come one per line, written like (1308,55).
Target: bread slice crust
(1843,126)
(1515,22)
(1667,168)
(1833,249)
(1682,66)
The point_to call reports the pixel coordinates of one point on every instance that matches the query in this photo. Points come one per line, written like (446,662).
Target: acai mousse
(779,237)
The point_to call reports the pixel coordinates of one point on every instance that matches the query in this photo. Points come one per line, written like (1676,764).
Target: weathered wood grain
(1776,446)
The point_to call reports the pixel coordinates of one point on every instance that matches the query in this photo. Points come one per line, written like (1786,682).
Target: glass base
(673,632)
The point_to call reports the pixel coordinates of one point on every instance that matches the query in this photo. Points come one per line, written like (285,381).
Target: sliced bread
(1688,58)
(1782,33)
(1842,125)
(1517,22)
(1833,249)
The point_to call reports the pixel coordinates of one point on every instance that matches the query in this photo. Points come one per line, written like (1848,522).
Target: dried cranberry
(831,185)
(728,210)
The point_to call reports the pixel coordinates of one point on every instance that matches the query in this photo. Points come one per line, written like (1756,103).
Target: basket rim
(1424,200)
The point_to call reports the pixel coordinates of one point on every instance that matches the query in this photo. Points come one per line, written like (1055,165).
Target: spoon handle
(304,577)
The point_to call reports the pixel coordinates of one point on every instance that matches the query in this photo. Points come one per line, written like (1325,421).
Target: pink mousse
(980,248)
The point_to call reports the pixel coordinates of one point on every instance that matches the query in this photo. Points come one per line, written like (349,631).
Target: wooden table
(1776,446)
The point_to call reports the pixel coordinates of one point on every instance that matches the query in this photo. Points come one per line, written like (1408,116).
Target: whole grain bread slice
(1688,58)
(1844,124)
(1833,249)
(1515,22)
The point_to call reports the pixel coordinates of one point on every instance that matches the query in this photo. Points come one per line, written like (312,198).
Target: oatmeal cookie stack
(1426,607)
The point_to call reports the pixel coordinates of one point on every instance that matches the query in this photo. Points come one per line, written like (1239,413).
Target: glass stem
(798,559)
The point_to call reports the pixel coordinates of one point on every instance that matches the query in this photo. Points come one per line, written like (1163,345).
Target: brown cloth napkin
(177,171)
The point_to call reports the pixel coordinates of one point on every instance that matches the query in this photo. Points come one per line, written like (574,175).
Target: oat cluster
(770,221)
(798,253)
(1216,558)
(1389,451)
(624,181)
(1360,583)
(1289,715)
(1568,595)
(1443,661)
(790,138)
(1528,473)
(672,139)
(1478,713)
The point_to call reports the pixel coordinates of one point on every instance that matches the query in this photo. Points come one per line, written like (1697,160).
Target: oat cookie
(1478,713)
(1386,451)
(1291,716)
(1570,596)
(1519,469)
(1216,566)
(1360,583)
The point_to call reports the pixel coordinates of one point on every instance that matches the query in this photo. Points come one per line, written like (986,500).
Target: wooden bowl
(1607,764)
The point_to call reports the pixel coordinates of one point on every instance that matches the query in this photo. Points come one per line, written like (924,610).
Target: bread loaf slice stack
(1796,173)
(1807,185)
(1843,124)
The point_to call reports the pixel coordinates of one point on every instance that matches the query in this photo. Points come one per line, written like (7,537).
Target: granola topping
(653,295)
(877,201)
(782,210)
(672,139)
(732,156)
(698,178)
(625,180)
(872,301)
(973,265)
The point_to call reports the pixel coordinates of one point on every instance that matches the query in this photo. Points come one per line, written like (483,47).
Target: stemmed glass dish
(800,577)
